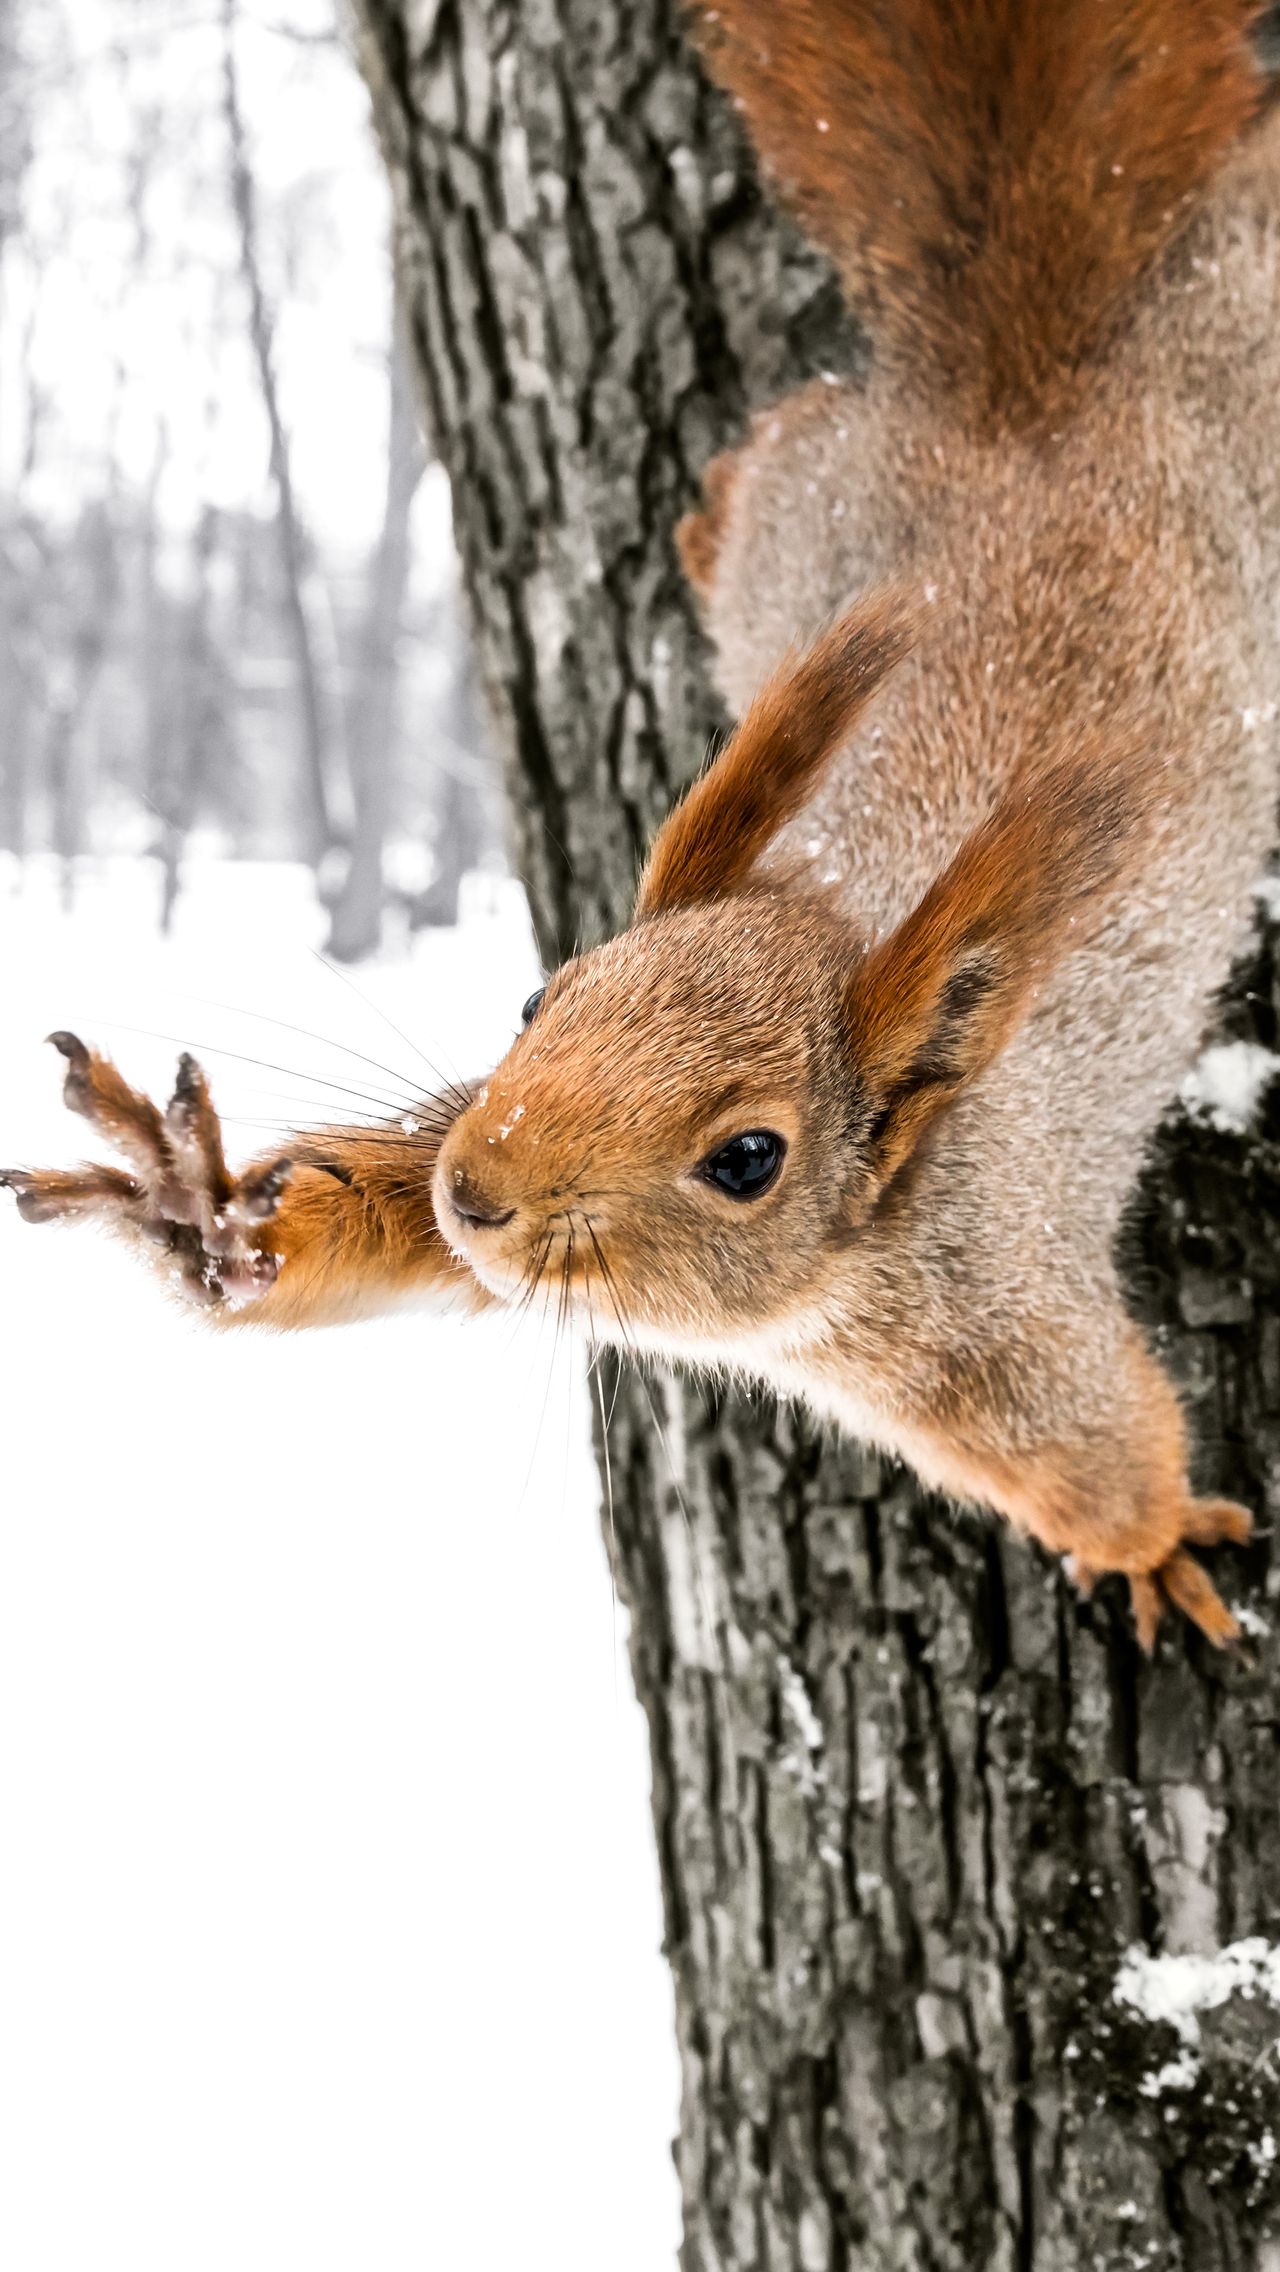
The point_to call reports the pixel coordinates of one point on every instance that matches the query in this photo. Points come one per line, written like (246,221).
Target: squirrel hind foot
(1180,1582)
(1213,1522)
(1183,1582)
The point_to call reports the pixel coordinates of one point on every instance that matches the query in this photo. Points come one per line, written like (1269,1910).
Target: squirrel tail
(991,177)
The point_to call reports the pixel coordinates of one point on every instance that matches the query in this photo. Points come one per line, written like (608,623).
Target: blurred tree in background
(228,608)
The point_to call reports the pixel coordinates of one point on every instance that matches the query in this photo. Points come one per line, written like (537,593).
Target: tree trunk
(913,1801)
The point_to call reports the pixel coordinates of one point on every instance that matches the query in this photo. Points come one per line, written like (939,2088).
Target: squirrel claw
(1213,1521)
(1147,1603)
(1179,1582)
(45,1195)
(1192,1590)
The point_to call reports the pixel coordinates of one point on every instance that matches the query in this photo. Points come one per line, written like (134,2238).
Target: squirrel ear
(927,1014)
(932,1004)
(707,847)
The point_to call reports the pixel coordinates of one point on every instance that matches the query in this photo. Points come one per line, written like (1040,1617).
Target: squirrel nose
(480,1213)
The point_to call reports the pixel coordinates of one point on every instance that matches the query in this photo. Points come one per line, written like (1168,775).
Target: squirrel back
(1065,241)
(991,180)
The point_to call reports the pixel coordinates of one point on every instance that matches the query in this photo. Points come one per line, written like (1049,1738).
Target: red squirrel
(853,1105)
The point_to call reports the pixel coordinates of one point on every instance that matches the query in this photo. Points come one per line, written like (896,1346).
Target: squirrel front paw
(1180,1582)
(177,1197)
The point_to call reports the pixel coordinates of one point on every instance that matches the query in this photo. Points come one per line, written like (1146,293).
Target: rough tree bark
(912,1801)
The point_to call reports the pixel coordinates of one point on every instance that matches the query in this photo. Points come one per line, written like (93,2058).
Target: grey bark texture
(913,1801)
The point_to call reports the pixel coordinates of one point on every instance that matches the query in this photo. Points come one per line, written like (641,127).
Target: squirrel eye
(745,1167)
(531,1005)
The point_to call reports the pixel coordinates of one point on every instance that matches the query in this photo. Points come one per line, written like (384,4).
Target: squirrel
(853,1105)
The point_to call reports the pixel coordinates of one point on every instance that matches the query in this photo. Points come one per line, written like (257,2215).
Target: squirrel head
(700,1113)
(669,1135)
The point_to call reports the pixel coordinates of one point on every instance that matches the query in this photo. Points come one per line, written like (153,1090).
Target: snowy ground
(328,1920)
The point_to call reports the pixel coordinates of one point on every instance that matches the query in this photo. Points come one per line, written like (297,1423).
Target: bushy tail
(991,176)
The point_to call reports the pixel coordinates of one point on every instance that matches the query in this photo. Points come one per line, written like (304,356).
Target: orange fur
(933,1003)
(342,1225)
(993,177)
(711,842)
(358,1235)
(1137,1518)
(699,534)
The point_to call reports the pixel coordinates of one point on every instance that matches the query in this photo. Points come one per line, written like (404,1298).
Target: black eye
(531,1005)
(747,1165)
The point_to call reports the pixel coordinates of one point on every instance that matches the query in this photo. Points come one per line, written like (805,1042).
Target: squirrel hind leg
(1133,1511)
(1103,1533)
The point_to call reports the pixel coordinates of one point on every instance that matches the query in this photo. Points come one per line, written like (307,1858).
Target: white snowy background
(328,1916)
(329,1923)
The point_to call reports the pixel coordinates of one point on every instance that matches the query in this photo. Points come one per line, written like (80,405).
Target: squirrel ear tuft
(708,846)
(935,1001)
